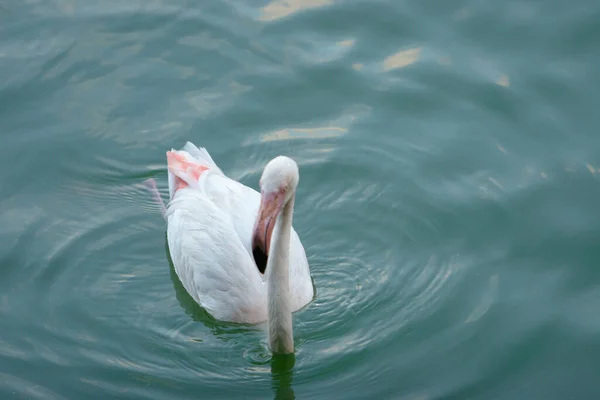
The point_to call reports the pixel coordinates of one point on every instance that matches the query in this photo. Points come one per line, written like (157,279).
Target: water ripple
(449,180)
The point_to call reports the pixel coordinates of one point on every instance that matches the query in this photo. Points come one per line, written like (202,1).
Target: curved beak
(270,206)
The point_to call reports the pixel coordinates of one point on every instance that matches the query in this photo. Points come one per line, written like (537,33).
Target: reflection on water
(282,375)
(346,43)
(402,59)
(337,128)
(277,9)
(304,133)
(503,80)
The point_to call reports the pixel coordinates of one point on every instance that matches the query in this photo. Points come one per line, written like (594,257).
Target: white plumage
(210,225)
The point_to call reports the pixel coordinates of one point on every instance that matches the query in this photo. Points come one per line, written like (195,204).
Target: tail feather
(186,165)
(201,154)
(172,183)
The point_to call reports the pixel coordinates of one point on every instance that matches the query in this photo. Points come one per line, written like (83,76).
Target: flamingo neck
(281,335)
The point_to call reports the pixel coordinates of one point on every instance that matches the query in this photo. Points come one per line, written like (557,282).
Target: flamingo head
(277,186)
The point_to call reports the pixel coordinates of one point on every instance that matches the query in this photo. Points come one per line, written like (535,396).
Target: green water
(449,198)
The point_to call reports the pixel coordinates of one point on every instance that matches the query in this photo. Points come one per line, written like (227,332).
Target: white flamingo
(235,250)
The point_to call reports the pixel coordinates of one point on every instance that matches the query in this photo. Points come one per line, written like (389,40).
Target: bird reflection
(282,373)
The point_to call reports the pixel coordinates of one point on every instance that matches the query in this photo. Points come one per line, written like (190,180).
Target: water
(448,199)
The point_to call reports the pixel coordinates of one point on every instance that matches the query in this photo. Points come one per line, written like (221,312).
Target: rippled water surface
(449,199)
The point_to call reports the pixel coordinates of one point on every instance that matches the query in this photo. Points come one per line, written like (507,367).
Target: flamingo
(235,250)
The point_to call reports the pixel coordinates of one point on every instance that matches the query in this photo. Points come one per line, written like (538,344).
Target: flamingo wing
(211,261)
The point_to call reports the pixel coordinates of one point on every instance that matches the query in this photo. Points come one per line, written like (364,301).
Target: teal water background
(449,198)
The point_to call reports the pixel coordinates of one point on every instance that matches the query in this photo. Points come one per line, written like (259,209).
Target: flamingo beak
(271,204)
